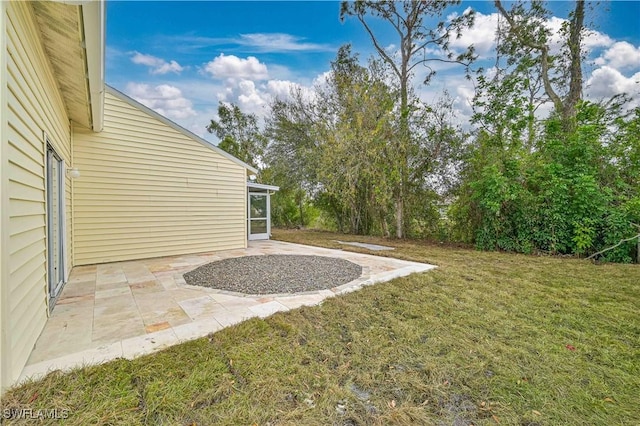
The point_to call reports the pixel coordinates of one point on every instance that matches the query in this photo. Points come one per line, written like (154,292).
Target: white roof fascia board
(263,186)
(93,18)
(177,127)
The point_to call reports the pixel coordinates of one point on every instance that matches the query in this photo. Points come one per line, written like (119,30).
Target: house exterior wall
(32,107)
(4,203)
(148,190)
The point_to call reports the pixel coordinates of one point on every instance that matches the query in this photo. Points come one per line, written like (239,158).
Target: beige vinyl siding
(148,190)
(34,107)
(5,364)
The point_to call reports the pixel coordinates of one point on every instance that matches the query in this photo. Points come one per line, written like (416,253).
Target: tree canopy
(362,153)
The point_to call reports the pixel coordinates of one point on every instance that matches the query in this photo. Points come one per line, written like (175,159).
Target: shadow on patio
(128,309)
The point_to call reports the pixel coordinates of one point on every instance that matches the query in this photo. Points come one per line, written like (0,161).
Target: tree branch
(379,48)
(447,61)
(544,52)
(612,247)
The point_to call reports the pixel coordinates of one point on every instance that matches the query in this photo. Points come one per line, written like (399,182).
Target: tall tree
(291,157)
(340,139)
(415,42)
(354,164)
(293,140)
(239,134)
(528,30)
(507,99)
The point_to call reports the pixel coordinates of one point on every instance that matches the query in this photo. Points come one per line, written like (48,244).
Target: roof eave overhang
(262,186)
(93,16)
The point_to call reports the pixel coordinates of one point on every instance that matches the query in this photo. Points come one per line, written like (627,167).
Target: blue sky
(183,58)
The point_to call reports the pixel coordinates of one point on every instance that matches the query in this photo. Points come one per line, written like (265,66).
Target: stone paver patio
(128,309)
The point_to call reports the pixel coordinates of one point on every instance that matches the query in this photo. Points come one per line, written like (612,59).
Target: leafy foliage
(416,44)
(564,185)
(568,196)
(340,142)
(361,153)
(239,134)
(340,145)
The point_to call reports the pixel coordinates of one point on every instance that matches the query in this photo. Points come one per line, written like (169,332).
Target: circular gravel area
(271,274)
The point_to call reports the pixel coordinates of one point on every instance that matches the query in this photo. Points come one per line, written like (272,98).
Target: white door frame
(261,236)
(56,232)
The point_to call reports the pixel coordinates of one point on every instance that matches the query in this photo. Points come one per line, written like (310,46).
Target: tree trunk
(399,218)
(576,25)
(403,144)
(385,227)
(300,208)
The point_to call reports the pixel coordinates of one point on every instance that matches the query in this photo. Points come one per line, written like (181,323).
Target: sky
(182,59)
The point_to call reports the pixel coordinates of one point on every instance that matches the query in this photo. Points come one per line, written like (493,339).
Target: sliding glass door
(55,224)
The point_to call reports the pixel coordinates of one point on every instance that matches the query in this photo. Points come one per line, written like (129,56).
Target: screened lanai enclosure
(259,210)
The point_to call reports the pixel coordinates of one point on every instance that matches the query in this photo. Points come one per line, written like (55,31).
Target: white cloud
(244,93)
(281,88)
(248,83)
(607,81)
(284,89)
(233,67)
(279,42)
(591,40)
(255,96)
(165,99)
(112,53)
(621,55)
(251,42)
(156,65)
(250,98)
(461,91)
(554,25)
(481,35)
(323,79)
(464,97)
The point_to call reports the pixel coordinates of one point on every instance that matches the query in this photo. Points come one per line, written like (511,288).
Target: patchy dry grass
(486,338)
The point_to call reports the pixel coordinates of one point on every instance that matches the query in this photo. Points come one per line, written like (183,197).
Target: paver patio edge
(376,269)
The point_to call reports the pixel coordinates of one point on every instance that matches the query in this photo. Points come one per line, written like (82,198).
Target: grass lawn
(487,338)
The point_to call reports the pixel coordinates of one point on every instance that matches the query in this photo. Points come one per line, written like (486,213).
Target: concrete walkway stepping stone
(374,247)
